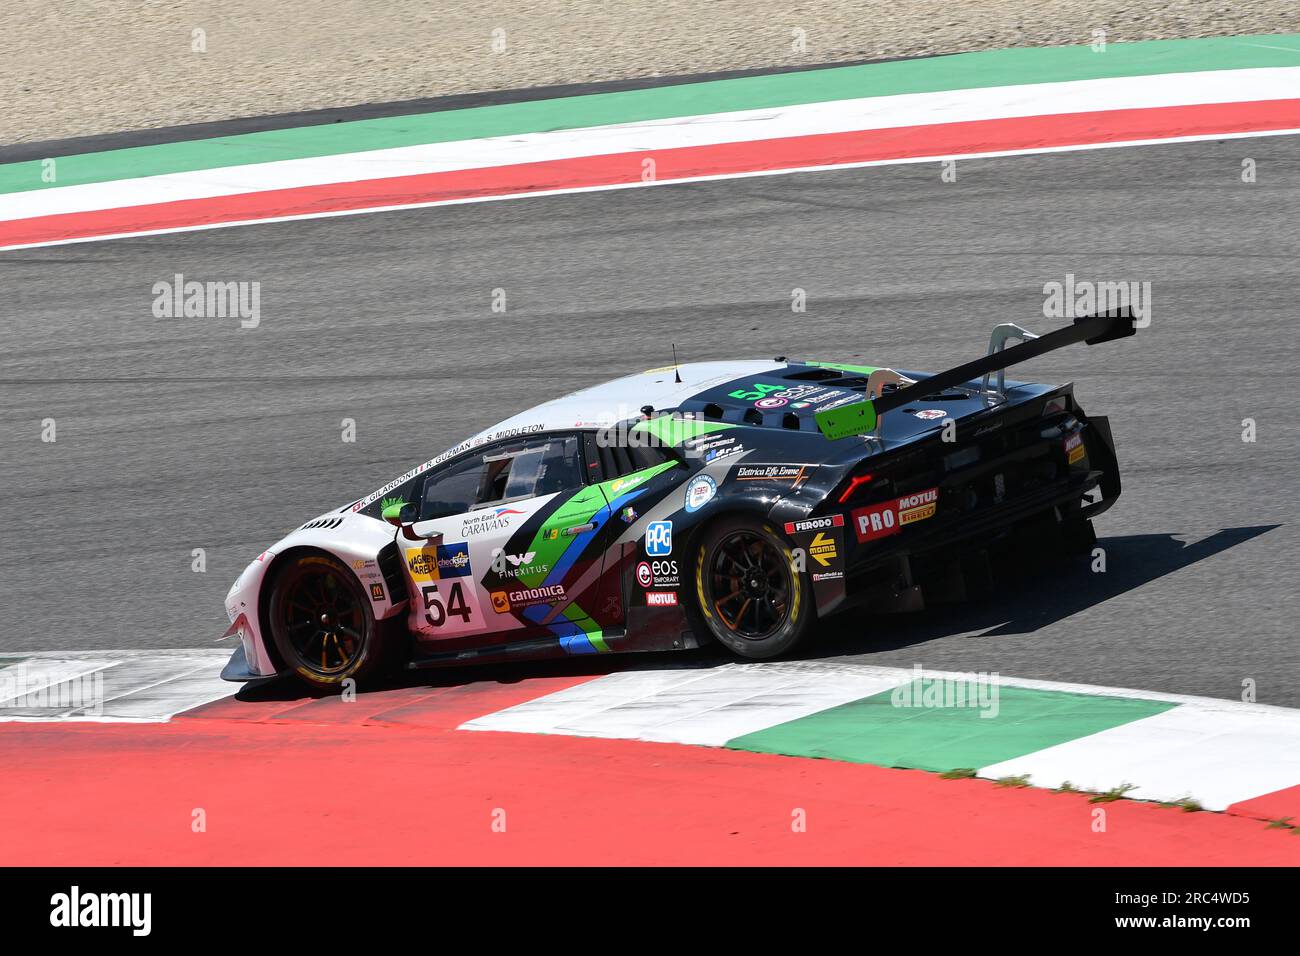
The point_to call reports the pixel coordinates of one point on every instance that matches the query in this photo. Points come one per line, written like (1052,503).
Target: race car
(736,502)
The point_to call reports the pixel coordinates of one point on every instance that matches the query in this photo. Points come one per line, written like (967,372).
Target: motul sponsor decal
(888,517)
(814,524)
(661,598)
(1074,450)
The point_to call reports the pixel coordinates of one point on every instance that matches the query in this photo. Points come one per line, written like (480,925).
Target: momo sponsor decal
(488,520)
(791,474)
(519,598)
(659,539)
(661,599)
(824,548)
(699,492)
(814,524)
(660,573)
(887,518)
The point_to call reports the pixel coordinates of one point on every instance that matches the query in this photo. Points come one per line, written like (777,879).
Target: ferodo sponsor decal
(490,519)
(699,492)
(520,598)
(814,524)
(1074,449)
(661,598)
(888,517)
(657,574)
(793,474)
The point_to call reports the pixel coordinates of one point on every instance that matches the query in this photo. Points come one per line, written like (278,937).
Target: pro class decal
(889,517)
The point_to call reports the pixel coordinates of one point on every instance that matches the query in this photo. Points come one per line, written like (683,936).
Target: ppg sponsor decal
(659,539)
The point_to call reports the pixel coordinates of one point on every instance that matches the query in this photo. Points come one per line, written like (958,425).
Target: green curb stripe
(875,731)
(960,71)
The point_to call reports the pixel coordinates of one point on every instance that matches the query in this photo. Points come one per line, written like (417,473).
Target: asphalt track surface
(175,434)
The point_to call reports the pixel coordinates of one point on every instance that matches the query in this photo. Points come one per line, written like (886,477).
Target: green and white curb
(978,104)
(1165,747)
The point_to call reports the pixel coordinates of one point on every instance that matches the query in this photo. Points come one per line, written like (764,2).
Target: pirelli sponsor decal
(889,517)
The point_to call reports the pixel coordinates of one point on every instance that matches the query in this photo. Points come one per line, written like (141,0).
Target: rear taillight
(854,484)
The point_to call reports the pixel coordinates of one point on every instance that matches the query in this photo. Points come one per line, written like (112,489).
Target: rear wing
(862,417)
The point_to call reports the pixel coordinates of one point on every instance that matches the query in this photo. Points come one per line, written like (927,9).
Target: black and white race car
(729,501)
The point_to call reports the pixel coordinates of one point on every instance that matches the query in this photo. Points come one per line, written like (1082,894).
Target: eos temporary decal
(659,539)
(814,524)
(700,492)
(888,518)
(766,403)
(659,573)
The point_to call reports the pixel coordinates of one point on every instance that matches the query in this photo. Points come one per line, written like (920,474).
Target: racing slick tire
(321,621)
(748,593)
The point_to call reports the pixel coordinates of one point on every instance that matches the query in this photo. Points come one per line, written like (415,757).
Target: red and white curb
(866,131)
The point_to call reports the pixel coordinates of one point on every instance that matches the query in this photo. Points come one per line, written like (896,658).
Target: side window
(608,461)
(528,469)
(519,469)
(454,490)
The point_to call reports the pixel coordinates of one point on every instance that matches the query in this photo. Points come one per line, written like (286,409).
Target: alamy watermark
(192,299)
(1075,298)
(977,691)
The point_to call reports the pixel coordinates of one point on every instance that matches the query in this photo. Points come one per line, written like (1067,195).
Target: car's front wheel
(748,590)
(321,621)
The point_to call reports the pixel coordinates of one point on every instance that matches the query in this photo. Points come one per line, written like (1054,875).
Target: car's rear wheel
(749,594)
(321,621)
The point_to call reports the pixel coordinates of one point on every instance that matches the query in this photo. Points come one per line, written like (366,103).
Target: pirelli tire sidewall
(803,609)
(372,659)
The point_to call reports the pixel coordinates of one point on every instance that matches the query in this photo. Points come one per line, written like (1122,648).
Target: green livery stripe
(672,431)
(840,366)
(899,728)
(960,71)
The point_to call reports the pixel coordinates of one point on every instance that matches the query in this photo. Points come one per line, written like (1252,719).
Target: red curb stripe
(429,797)
(828,149)
(1278,805)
